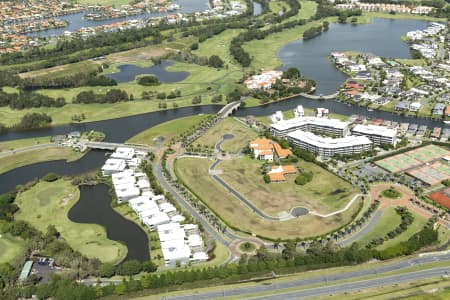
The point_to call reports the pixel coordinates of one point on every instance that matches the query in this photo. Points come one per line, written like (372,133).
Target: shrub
(107,270)
(130,267)
(50,177)
(304,178)
(149,80)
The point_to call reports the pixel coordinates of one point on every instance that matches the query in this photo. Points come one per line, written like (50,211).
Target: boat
(369,109)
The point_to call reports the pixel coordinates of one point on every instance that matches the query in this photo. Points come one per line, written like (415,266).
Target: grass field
(10,247)
(324,194)
(63,70)
(168,130)
(49,202)
(194,173)
(15,144)
(242,135)
(10,162)
(116,3)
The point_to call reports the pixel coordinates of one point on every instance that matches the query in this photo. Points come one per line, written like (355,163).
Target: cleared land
(10,162)
(48,203)
(11,145)
(10,247)
(242,135)
(324,194)
(167,130)
(194,173)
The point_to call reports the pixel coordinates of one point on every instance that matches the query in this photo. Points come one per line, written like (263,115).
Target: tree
(50,177)
(107,270)
(149,80)
(130,267)
(215,61)
(292,73)
(149,267)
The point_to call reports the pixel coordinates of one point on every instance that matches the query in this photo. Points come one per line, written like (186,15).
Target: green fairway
(167,130)
(48,203)
(15,144)
(324,194)
(10,247)
(30,157)
(242,135)
(194,173)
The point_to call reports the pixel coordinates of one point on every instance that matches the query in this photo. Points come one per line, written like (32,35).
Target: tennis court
(431,174)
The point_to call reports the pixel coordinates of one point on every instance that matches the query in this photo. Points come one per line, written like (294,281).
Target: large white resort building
(329,137)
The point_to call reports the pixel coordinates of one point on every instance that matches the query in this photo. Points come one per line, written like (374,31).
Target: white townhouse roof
(195,241)
(113,164)
(148,213)
(126,191)
(375,130)
(329,143)
(144,206)
(138,200)
(123,153)
(167,207)
(158,219)
(171,231)
(295,122)
(175,250)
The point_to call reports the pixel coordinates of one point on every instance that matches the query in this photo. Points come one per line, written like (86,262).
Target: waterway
(94,207)
(381,37)
(76,21)
(129,72)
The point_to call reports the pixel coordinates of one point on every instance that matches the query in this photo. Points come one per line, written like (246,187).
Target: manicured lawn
(416,226)
(324,194)
(116,3)
(63,70)
(388,221)
(30,157)
(242,135)
(391,193)
(168,130)
(10,247)
(48,203)
(219,45)
(15,144)
(194,173)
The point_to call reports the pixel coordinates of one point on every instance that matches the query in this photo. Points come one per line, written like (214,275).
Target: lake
(129,72)
(381,37)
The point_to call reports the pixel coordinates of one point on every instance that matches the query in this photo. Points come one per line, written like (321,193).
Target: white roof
(329,143)
(149,213)
(190,226)
(195,241)
(126,179)
(170,231)
(301,121)
(177,218)
(113,164)
(148,194)
(123,153)
(144,206)
(143,183)
(175,250)
(375,130)
(167,207)
(128,192)
(200,256)
(158,219)
(138,200)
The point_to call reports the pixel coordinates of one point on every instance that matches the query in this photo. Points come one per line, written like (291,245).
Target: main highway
(355,280)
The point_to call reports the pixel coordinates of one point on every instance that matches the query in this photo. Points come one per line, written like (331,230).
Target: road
(356,277)
(366,229)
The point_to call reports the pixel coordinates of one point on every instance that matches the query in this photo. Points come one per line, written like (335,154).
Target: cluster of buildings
(180,243)
(263,81)
(329,137)
(414,89)
(386,8)
(268,150)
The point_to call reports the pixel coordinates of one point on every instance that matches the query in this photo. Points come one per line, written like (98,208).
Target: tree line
(25,99)
(111,96)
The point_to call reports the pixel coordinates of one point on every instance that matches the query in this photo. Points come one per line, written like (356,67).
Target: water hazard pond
(129,72)
(94,207)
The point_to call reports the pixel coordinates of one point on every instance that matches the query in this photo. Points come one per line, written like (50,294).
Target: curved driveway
(365,230)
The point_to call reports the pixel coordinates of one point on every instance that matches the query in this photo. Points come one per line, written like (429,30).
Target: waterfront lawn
(15,144)
(168,130)
(194,173)
(242,135)
(10,247)
(48,203)
(324,194)
(10,162)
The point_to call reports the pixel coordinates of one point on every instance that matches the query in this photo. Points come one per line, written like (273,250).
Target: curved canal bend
(94,207)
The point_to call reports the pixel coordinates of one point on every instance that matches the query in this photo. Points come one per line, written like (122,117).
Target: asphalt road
(366,229)
(29,148)
(314,292)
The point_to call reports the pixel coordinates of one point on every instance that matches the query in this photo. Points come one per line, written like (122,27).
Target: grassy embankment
(242,135)
(17,160)
(22,143)
(48,203)
(194,173)
(167,130)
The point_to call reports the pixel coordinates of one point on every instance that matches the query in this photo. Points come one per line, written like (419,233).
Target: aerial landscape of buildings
(244,149)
